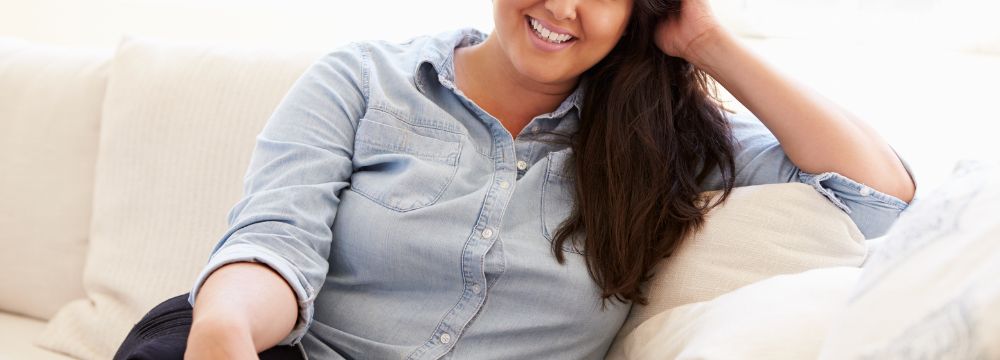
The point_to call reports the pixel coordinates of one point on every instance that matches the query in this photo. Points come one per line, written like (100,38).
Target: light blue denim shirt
(411,224)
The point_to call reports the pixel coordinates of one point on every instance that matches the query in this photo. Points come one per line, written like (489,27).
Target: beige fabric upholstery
(785,317)
(761,231)
(17,334)
(50,105)
(177,131)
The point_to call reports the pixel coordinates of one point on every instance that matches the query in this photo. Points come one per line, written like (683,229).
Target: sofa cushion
(761,231)
(178,129)
(50,105)
(785,317)
(18,334)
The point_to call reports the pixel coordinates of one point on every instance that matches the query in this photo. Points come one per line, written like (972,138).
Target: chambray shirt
(411,224)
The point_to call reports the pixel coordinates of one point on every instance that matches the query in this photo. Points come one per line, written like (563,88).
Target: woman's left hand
(679,36)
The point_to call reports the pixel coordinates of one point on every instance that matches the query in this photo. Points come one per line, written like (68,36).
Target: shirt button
(445,338)
(504,184)
(521,165)
(487,233)
(476,289)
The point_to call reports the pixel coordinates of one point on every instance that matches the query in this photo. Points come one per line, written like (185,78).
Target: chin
(547,77)
(546,68)
(543,72)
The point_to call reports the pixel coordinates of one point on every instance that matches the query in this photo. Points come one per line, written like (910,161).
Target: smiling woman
(505,195)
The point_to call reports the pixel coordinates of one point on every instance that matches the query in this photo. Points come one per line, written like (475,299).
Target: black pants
(163,334)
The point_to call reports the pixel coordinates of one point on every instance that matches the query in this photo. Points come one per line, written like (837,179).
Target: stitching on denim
(394,205)
(815,181)
(569,246)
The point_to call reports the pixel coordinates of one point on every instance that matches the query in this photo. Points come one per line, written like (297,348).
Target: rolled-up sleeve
(761,160)
(300,163)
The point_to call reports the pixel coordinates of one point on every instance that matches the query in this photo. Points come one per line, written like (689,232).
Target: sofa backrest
(50,106)
(178,127)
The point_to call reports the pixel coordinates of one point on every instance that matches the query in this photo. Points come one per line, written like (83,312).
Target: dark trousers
(163,332)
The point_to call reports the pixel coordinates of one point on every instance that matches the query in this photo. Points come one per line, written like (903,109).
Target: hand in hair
(680,32)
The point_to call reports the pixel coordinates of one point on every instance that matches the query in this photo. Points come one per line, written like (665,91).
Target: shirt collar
(439,54)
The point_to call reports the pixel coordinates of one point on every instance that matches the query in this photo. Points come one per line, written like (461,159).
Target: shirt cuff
(830,183)
(873,211)
(304,293)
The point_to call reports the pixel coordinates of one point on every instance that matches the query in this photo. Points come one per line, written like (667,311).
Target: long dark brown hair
(651,130)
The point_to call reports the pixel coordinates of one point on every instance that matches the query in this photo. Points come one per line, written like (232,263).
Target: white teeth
(549,35)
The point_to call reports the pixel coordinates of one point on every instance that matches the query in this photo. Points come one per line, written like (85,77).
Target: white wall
(286,23)
(968,25)
(922,72)
(933,107)
(939,24)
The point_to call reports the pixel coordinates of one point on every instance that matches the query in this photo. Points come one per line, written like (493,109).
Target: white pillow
(783,317)
(761,231)
(932,291)
(177,132)
(50,110)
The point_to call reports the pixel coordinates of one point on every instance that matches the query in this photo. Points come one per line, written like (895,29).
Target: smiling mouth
(547,35)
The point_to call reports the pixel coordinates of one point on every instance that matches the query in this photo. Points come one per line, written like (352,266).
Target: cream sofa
(119,167)
(68,151)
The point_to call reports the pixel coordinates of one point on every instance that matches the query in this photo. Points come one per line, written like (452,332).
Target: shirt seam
(365,72)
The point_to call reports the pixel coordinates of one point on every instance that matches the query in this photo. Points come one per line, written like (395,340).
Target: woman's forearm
(816,134)
(246,299)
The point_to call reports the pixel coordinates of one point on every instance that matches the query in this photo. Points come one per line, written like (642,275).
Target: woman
(471,196)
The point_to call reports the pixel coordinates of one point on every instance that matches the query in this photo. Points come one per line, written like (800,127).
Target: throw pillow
(783,317)
(761,231)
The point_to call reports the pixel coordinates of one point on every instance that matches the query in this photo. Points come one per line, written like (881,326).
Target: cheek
(508,16)
(607,22)
(504,11)
(603,33)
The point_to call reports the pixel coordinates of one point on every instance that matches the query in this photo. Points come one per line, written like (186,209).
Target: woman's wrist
(712,49)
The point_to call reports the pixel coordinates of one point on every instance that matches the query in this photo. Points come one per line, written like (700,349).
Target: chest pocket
(557,199)
(399,169)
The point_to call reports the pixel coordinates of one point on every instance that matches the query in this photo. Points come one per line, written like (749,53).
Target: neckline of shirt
(440,54)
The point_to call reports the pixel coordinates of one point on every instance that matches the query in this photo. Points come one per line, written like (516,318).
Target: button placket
(488,227)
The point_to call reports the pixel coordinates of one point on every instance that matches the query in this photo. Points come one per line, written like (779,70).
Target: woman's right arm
(262,278)
(244,308)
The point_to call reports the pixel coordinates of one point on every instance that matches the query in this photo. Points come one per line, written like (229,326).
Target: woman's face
(580,33)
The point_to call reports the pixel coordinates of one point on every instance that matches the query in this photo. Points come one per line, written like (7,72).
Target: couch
(119,168)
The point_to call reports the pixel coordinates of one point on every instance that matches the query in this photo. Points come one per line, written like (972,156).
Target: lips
(551,27)
(544,45)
